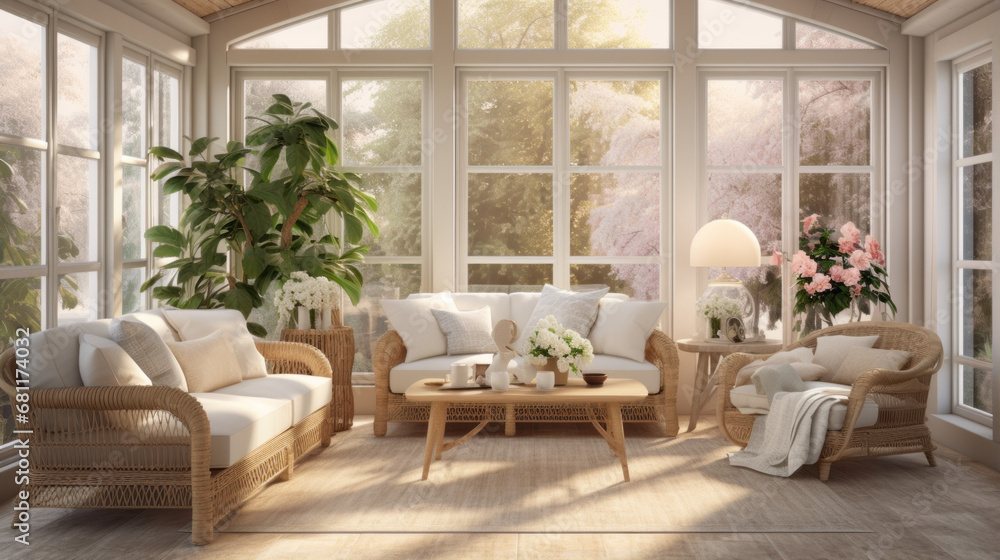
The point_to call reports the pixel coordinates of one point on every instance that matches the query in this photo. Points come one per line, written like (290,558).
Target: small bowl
(595,378)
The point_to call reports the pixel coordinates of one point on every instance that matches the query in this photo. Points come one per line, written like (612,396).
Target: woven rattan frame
(150,447)
(337,344)
(392,407)
(901,396)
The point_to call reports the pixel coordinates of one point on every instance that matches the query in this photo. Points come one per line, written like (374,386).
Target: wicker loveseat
(159,446)
(392,376)
(901,396)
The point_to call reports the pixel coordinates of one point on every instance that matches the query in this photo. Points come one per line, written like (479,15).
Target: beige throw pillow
(467,332)
(864,359)
(192,324)
(800,358)
(148,350)
(832,350)
(622,327)
(413,321)
(104,364)
(209,363)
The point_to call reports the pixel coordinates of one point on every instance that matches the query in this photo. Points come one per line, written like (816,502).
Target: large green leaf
(258,218)
(297,157)
(166,251)
(254,261)
(166,235)
(200,145)
(238,299)
(162,152)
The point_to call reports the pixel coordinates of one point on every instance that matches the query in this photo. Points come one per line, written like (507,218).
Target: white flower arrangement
(550,340)
(718,307)
(306,291)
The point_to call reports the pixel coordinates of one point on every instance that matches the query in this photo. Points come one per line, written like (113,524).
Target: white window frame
(561,259)
(961,65)
(790,168)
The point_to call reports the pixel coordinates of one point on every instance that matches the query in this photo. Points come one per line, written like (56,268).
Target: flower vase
(714,326)
(552,364)
(325,321)
(303,322)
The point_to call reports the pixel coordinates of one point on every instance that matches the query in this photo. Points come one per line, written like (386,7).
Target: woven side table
(338,346)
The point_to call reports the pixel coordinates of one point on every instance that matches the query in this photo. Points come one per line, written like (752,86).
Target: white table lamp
(724,243)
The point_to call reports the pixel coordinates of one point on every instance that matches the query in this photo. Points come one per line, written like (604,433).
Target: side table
(337,344)
(709,355)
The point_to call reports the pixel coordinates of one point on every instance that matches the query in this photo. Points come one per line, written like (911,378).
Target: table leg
(701,374)
(435,433)
(617,432)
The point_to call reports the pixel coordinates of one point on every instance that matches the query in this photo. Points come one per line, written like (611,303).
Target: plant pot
(714,326)
(552,364)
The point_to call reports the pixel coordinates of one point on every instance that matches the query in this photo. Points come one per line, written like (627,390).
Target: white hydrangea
(718,307)
(550,340)
(306,291)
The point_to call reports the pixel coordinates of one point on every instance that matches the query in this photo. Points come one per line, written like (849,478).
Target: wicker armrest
(305,354)
(389,352)
(661,351)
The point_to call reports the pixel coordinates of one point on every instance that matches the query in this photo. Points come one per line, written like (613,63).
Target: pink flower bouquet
(836,273)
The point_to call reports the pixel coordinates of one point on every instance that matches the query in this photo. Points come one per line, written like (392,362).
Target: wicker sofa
(159,446)
(900,397)
(392,375)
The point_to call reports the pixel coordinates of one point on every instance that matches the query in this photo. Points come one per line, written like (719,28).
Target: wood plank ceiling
(903,8)
(202,8)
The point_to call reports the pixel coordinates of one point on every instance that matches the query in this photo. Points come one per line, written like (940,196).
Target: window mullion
(561,31)
(790,200)
(561,179)
(51,221)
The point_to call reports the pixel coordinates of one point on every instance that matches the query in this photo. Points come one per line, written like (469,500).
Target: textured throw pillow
(209,363)
(574,310)
(771,380)
(148,350)
(622,327)
(467,332)
(864,359)
(104,364)
(832,350)
(416,325)
(192,324)
(800,358)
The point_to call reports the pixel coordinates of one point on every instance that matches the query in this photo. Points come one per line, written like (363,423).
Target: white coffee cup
(545,380)
(460,375)
(500,380)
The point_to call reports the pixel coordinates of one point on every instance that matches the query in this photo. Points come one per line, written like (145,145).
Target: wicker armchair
(901,396)
(661,351)
(150,447)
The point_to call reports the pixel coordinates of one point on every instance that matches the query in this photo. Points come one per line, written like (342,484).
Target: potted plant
(717,308)
(557,349)
(269,226)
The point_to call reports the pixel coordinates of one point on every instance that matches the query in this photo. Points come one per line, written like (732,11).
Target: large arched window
(517,143)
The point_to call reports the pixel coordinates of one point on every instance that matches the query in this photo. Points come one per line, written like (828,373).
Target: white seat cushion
(306,393)
(746,399)
(241,424)
(404,375)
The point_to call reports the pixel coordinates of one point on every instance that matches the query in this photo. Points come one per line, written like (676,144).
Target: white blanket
(791,434)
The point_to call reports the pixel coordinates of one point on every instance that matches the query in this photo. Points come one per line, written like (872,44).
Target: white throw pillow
(800,358)
(105,364)
(150,351)
(831,351)
(416,325)
(192,324)
(864,359)
(467,332)
(574,310)
(209,363)
(622,327)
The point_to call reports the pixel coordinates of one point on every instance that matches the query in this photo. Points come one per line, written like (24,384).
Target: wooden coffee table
(611,395)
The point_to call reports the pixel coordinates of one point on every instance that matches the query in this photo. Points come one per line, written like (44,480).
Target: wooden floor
(913,511)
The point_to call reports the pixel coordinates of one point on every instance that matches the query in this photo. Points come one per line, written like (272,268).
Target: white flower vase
(303,322)
(325,320)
